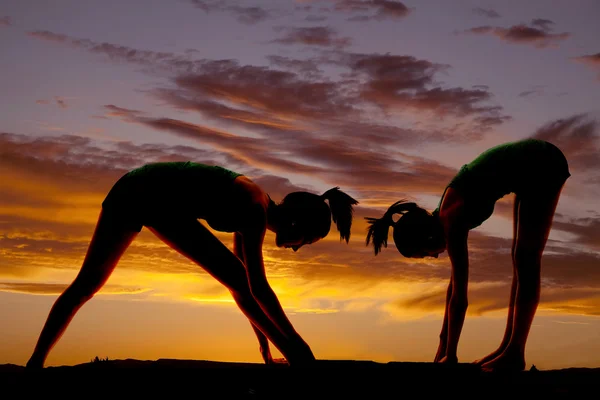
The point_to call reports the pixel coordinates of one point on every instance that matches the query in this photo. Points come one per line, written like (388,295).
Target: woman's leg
(108,244)
(194,241)
(536,213)
(513,292)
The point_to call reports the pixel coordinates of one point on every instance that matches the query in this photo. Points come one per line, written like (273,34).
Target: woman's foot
(449,360)
(33,364)
(488,358)
(505,362)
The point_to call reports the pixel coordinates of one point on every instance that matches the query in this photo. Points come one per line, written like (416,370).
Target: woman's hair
(313,215)
(410,231)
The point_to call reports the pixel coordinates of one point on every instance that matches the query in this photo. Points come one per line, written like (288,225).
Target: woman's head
(417,233)
(303,218)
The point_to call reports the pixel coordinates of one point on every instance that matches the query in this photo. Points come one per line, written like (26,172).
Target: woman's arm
(441,352)
(456,234)
(252,242)
(458,303)
(263,342)
(259,285)
(252,217)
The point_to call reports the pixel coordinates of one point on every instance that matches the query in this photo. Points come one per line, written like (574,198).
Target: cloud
(336,130)
(162,61)
(61,102)
(365,10)
(575,289)
(263,89)
(124,114)
(591,60)
(538,34)
(272,122)
(543,24)
(368,84)
(487,298)
(391,81)
(587,230)
(316,18)
(58,288)
(334,162)
(486,12)
(307,68)
(37,218)
(43,229)
(534,91)
(37,172)
(52,189)
(578,136)
(313,36)
(244,14)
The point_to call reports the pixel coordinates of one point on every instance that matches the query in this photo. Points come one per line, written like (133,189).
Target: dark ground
(174,379)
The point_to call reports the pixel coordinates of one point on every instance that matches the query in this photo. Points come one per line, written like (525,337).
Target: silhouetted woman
(535,171)
(168,198)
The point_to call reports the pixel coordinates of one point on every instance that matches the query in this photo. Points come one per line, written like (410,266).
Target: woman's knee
(527,262)
(241,294)
(83,290)
(527,254)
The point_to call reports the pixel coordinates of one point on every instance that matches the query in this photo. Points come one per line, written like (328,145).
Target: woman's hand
(441,352)
(277,361)
(268,358)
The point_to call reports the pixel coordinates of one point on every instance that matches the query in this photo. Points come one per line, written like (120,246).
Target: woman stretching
(535,171)
(169,198)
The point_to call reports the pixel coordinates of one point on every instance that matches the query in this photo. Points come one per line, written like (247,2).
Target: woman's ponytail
(379,227)
(340,205)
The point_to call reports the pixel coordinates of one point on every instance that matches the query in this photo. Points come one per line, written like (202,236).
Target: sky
(385,99)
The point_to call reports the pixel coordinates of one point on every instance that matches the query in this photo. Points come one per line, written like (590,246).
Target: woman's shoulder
(251,204)
(452,206)
(249,192)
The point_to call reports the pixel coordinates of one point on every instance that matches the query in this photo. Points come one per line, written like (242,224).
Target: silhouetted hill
(166,378)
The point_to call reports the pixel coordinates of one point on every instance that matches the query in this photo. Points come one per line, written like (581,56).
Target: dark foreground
(326,379)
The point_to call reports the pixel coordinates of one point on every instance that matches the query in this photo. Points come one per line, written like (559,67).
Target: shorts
(118,208)
(546,172)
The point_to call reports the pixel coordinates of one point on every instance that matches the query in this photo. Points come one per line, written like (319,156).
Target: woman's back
(182,188)
(514,167)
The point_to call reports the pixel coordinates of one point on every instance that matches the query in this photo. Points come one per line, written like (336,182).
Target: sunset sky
(385,99)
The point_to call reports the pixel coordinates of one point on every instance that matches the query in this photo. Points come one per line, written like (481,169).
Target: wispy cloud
(245,14)
(58,288)
(578,136)
(364,10)
(542,23)
(591,60)
(485,298)
(371,83)
(538,33)
(486,12)
(60,101)
(312,36)
(534,91)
